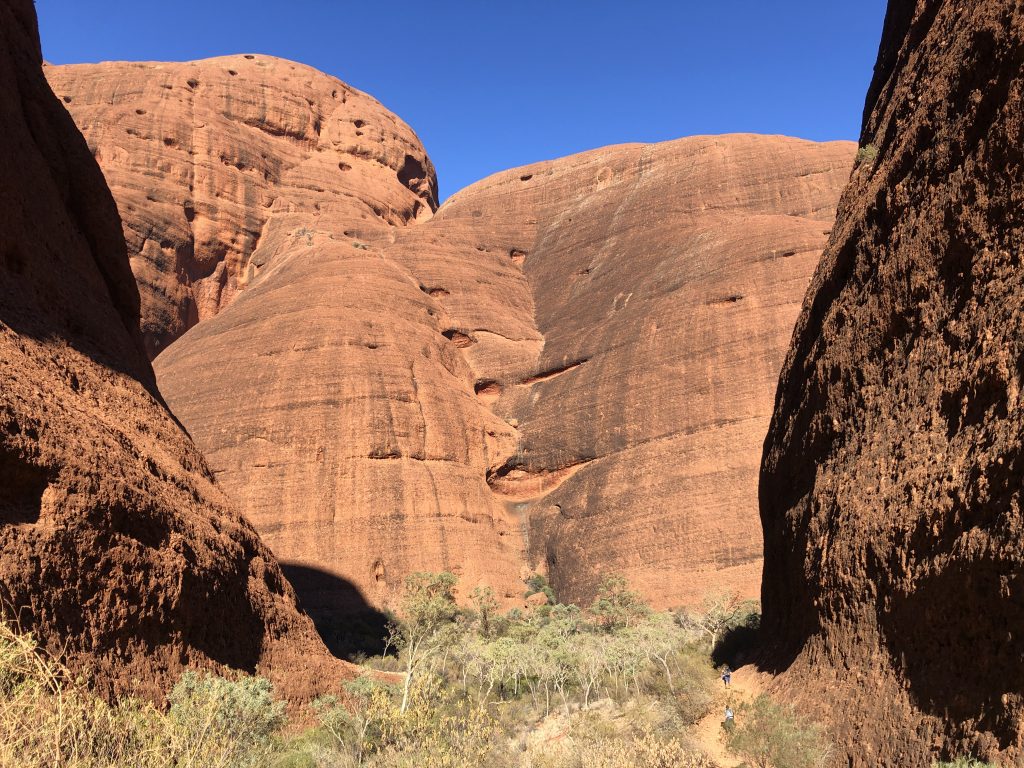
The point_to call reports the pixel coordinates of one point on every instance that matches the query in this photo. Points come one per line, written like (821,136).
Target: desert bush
(770,735)
(616,605)
(867,154)
(47,719)
(437,728)
(50,719)
(719,613)
(224,723)
(427,624)
(538,583)
(595,741)
(964,762)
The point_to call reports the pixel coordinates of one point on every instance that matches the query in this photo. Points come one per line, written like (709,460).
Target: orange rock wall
(203,156)
(569,368)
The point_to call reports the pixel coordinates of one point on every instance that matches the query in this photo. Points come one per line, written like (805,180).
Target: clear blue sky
(491,84)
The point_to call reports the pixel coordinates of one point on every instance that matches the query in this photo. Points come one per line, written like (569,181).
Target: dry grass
(48,719)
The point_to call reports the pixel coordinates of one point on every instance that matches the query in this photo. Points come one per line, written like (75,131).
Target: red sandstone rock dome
(567,369)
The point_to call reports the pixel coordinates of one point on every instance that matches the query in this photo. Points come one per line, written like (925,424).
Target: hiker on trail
(726,675)
(730,721)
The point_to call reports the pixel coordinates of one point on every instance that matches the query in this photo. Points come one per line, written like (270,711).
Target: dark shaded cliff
(891,479)
(116,548)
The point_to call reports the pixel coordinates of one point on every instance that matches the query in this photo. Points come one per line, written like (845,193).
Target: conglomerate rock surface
(891,482)
(116,547)
(567,369)
(217,165)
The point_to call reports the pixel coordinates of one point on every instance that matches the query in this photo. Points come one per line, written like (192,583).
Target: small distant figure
(726,675)
(730,721)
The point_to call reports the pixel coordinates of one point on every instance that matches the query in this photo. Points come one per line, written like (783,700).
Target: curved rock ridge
(568,369)
(663,281)
(217,166)
(116,547)
(891,481)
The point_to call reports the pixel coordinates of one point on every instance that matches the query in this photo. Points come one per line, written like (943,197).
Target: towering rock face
(663,282)
(891,482)
(568,369)
(218,165)
(116,547)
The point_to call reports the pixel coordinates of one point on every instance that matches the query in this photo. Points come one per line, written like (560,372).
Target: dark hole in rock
(249,56)
(487,390)
(526,177)
(343,166)
(192,82)
(232,72)
(458,338)
(21,488)
(412,173)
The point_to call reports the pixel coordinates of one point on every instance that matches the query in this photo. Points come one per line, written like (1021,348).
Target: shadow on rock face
(957,637)
(350,627)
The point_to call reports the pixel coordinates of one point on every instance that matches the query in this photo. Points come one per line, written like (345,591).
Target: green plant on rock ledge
(867,154)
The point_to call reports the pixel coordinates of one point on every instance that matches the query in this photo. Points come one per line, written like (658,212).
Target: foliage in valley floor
(612,685)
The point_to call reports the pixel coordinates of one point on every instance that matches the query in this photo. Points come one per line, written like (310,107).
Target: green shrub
(616,605)
(427,626)
(964,762)
(774,736)
(537,583)
(867,154)
(228,723)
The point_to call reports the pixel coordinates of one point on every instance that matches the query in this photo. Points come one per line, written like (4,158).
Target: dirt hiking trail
(746,684)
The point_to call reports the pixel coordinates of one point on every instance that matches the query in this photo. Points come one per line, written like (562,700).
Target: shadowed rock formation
(891,481)
(567,369)
(116,548)
(218,165)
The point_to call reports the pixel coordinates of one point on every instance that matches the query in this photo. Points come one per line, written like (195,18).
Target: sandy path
(747,683)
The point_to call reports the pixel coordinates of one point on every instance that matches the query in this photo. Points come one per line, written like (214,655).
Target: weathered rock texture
(658,287)
(116,547)
(218,165)
(568,369)
(891,482)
